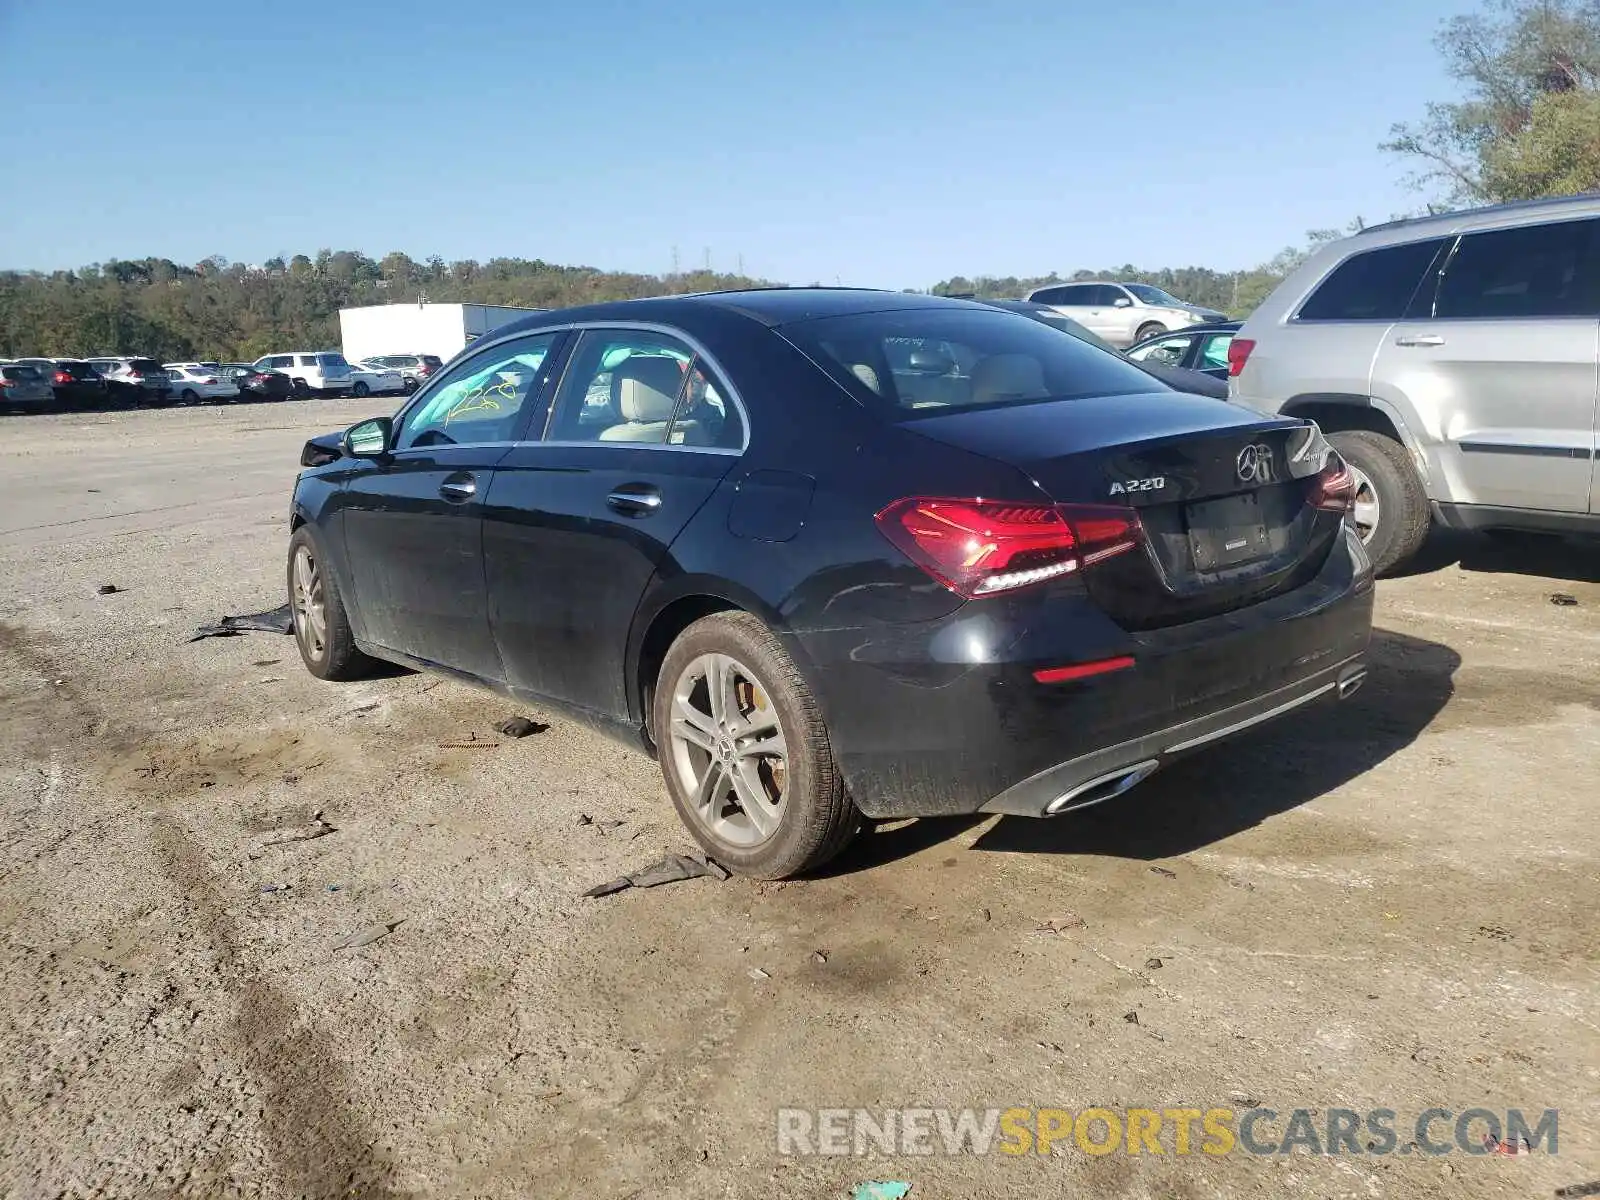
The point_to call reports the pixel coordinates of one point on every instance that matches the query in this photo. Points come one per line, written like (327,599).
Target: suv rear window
(433,360)
(1375,286)
(21,373)
(145,365)
(1532,271)
(926,362)
(332,360)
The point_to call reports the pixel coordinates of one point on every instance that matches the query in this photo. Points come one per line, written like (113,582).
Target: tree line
(1526,124)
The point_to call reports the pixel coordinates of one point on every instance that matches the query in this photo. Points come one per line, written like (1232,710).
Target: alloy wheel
(1367,506)
(310,607)
(728,750)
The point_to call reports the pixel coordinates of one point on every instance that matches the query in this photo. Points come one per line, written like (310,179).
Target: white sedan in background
(373,379)
(192,382)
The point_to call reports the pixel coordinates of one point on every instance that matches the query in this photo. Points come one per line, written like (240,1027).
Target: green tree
(1528,121)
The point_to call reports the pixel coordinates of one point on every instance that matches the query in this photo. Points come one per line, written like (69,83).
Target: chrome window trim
(418,396)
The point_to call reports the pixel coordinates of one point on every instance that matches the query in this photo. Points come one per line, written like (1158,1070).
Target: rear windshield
(919,363)
(332,360)
(24,373)
(77,368)
(433,360)
(145,365)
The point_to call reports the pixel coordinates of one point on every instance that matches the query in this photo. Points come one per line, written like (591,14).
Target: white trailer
(442,329)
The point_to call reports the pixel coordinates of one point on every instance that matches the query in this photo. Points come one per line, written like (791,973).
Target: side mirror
(1122,302)
(372,438)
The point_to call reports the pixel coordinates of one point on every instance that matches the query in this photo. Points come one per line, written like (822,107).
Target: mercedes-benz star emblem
(1255,464)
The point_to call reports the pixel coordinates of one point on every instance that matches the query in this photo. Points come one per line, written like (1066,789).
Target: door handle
(459,488)
(635,500)
(1421,339)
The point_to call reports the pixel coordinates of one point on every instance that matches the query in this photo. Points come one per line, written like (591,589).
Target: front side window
(1534,271)
(483,399)
(1166,351)
(1155,296)
(1375,286)
(961,360)
(623,386)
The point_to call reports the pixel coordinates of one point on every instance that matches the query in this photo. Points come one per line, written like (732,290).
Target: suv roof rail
(1511,206)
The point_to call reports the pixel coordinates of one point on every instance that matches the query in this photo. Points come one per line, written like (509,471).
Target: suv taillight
(61,377)
(983,547)
(1239,354)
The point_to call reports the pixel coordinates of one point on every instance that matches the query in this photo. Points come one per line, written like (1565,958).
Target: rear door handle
(1421,339)
(459,488)
(635,499)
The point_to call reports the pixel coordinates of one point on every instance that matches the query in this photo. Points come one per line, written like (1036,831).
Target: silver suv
(1122,313)
(1452,360)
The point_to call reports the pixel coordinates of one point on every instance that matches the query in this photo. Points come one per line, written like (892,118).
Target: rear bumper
(945,717)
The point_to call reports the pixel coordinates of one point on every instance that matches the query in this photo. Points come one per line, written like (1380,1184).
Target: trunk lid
(1221,491)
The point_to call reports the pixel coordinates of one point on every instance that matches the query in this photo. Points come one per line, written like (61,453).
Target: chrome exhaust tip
(1351,683)
(1101,788)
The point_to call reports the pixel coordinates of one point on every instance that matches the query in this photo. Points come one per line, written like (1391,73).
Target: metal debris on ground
(108,589)
(1579,1189)
(1563,600)
(671,869)
(1163,872)
(368,935)
(758,974)
(319,827)
(820,957)
(1152,964)
(1132,1018)
(278,620)
(882,1189)
(520,727)
(470,742)
(268,888)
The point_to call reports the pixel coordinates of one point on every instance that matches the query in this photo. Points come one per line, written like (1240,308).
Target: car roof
(771,307)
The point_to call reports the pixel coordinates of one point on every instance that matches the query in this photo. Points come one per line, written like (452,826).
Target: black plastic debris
(108,589)
(1580,1189)
(671,869)
(278,620)
(1563,600)
(520,727)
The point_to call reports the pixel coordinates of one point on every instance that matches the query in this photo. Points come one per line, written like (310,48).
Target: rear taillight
(982,547)
(1239,354)
(209,379)
(5,383)
(1334,489)
(61,377)
(424,371)
(136,377)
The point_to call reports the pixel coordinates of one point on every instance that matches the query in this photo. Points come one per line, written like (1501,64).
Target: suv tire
(812,818)
(1148,331)
(1402,502)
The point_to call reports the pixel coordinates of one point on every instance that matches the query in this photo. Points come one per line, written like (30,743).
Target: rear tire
(360,391)
(1395,529)
(715,748)
(321,625)
(1146,332)
(190,396)
(301,390)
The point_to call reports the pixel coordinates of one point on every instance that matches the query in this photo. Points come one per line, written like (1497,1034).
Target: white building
(442,329)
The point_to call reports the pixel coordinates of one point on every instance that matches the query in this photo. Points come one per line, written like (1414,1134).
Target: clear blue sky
(881,142)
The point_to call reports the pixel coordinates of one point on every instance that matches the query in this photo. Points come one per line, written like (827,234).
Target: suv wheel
(360,391)
(1146,332)
(1391,511)
(745,752)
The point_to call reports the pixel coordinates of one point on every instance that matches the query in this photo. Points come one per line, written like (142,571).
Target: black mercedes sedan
(833,555)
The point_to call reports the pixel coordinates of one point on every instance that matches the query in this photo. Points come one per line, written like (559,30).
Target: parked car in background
(257,384)
(1181,378)
(822,584)
(415,369)
(369,380)
(1123,313)
(22,387)
(1202,348)
(77,384)
(1452,360)
(314,372)
(134,380)
(196,381)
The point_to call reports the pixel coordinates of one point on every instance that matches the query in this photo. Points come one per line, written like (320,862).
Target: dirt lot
(1391,903)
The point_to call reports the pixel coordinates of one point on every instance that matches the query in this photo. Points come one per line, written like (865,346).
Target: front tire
(1148,331)
(360,391)
(321,625)
(1391,512)
(745,752)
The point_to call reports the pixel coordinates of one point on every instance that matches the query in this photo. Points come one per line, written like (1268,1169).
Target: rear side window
(1535,271)
(308,360)
(928,361)
(1375,286)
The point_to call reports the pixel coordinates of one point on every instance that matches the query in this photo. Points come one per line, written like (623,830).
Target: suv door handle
(459,488)
(1421,339)
(635,499)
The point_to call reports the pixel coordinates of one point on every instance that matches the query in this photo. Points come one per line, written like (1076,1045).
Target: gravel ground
(1388,903)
